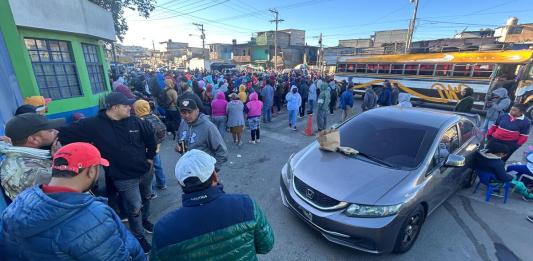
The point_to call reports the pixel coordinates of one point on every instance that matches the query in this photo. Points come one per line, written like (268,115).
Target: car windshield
(397,143)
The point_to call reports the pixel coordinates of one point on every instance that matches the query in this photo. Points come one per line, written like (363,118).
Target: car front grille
(310,194)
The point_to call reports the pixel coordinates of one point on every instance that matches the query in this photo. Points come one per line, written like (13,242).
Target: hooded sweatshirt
(254,106)
(312,92)
(65,226)
(491,163)
(126,143)
(404,100)
(203,135)
(324,98)
(242,93)
(219,104)
(500,103)
(268,95)
(369,100)
(294,100)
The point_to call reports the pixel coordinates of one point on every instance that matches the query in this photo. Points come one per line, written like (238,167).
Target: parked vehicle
(410,161)
(438,78)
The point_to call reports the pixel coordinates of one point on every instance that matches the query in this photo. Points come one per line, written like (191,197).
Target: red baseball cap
(79,155)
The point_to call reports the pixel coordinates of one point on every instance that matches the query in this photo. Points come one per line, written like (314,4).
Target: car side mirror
(455,160)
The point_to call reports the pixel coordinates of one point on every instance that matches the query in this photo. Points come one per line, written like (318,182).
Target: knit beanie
(141,108)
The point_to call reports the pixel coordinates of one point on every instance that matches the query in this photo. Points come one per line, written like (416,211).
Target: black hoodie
(127,143)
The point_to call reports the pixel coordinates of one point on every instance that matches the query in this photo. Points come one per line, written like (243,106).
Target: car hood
(344,178)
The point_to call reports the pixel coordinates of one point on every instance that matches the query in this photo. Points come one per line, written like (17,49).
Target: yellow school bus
(440,77)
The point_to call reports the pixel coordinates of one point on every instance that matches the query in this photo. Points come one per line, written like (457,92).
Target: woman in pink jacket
(218,112)
(254,108)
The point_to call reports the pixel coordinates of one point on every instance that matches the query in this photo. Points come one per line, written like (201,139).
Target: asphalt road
(464,228)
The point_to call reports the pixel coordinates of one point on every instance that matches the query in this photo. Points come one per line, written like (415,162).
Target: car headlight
(290,173)
(356,210)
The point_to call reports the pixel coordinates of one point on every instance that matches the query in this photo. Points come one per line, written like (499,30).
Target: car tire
(410,230)
(470,179)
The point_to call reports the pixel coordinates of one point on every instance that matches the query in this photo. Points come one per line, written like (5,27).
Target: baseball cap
(25,108)
(24,125)
(117,98)
(79,155)
(194,163)
(187,105)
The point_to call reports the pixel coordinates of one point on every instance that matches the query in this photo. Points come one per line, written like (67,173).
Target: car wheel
(470,179)
(410,230)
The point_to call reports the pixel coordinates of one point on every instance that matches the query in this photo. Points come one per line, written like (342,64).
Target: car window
(448,143)
(467,130)
(398,143)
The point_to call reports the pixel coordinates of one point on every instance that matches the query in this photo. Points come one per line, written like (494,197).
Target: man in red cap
(61,221)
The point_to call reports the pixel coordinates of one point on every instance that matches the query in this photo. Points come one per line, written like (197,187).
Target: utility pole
(411,27)
(277,20)
(321,56)
(202,36)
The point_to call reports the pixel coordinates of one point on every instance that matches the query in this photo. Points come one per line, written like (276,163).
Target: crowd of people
(51,168)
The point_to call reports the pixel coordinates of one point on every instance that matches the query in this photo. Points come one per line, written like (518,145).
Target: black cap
(24,125)
(187,105)
(117,98)
(26,108)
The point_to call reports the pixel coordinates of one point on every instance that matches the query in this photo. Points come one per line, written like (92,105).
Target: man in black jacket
(129,144)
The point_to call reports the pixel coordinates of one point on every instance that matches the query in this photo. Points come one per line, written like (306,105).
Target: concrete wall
(267,38)
(390,36)
(71,16)
(297,37)
(356,43)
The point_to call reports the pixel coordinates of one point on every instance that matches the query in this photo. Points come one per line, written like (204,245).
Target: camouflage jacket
(23,167)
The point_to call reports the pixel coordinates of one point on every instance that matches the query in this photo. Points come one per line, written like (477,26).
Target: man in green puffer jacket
(211,225)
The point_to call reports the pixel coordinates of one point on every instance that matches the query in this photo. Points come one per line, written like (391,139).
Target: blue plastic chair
(489,179)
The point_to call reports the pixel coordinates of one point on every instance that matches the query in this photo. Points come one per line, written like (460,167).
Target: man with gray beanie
(211,224)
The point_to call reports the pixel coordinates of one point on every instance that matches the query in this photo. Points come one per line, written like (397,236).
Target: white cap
(194,163)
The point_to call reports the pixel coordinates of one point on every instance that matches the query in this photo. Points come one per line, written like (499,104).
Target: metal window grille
(94,68)
(54,68)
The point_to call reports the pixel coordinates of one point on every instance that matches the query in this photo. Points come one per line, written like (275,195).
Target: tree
(116,7)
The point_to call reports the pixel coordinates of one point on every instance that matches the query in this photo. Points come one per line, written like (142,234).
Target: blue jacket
(65,226)
(385,97)
(212,225)
(346,99)
(268,95)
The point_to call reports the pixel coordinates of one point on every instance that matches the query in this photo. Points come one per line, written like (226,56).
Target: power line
(193,11)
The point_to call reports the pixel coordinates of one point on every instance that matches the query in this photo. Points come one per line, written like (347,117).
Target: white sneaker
(258,141)
(251,141)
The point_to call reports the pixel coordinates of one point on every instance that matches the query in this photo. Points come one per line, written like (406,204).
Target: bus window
(483,70)
(426,69)
(384,68)
(350,68)
(397,69)
(360,68)
(341,67)
(462,70)
(411,69)
(371,68)
(444,70)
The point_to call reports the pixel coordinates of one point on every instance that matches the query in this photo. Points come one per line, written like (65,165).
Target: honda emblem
(309,193)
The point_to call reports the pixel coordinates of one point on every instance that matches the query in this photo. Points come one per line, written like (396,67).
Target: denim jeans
(292,117)
(220,122)
(267,113)
(311,106)
(159,177)
(487,124)
(135,195)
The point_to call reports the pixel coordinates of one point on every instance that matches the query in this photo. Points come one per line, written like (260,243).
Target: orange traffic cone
(309,130)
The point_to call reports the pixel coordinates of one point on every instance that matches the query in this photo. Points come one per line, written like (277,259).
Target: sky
(225,20)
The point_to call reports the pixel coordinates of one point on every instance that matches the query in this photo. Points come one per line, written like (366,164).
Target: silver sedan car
(410,161)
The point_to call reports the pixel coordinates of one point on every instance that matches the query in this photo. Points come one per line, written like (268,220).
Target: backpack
(160,130)
(163,99)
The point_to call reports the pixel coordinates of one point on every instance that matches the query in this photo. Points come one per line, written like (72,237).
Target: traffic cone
(309,130)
